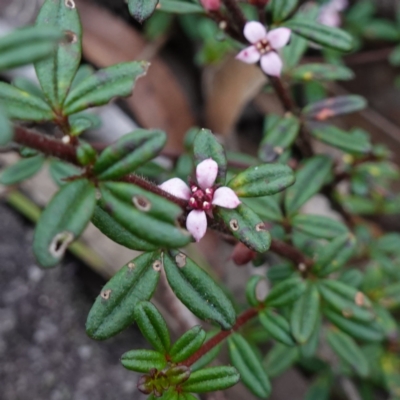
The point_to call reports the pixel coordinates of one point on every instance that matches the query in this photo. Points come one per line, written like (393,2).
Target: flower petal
(249,55)
(271,64)
(329,16)
(225,197)
(196,224)
(279,37)
(176,187)
(254,31)
(206,173)
(340,5)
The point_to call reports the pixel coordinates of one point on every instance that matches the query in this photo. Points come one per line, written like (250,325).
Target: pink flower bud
(211,5)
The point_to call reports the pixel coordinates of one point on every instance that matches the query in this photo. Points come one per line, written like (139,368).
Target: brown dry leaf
(158,100)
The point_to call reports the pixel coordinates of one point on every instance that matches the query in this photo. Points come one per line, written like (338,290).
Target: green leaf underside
(142,9)
(262,180)
(22,105)
(198,291)
(23,169)
(332,107)
(286,292)
(318,226)
(153,326)
(116,232)
(187,344)
(63,220)
(129,153)
(143,360)
(252,373)
(56,72)
(211,379)
(113,310)
(104,85)
(157,232)
(27,45)
(247,227)
(347,350)
(334,255)
(305,314)
(206,146)
(326,36)
(321,72)
(309,180)
(343,298)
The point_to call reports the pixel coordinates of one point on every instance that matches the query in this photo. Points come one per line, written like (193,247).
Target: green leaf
(179,7)
(113,310)
(104,85)
(142,9)
(286,292)
(279,359)
(133,219)
(198,291)
(187,344)
(23,169)
(153,326)
(346,300)
(146,202)
(267,207)
(60,171)
(62,221)
(321,72)
(294,51)
(326,36)
(382,29)
(27,85)
(334,106)
(308,349)
(56,72)
(128,153)
(347,350)
(263,180)
(211,379)
(27,45)
(318,226)
(334,255)
(143,360)
(320,388)
(6,130)
(282,9)
(305,314)
(256,290)
(251,371)
(394,57)
(309,180)
(83,121)
(390,296)
(116,232)
(206,146)
(247,227)
(277,327)
(349,142)
(278,137)
(22,105)
(369,332)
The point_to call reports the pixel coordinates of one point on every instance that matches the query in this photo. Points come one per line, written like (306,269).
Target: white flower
(263,47)
(202,197)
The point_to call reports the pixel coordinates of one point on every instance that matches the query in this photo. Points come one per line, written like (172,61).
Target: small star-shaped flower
(264,46)
(202,196)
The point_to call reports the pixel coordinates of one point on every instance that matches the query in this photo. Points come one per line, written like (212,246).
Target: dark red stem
(221,336)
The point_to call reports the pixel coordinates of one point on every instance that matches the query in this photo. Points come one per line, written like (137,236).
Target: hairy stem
(241,320)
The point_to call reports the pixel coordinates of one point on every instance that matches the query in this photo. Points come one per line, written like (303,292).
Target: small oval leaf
(23,169)
(143,360)
(198,291)
(277,327)
(113,310)
(187,344)
(286,292)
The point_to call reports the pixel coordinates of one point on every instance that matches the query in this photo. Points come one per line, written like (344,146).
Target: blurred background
(193,80)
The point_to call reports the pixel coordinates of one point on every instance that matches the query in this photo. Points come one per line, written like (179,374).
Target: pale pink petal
(176,187)
(329,16)
(271,64)
(279,37)
(225,197)
(254,31)
(206,173)
(196,224)
(249,55)
(340,5)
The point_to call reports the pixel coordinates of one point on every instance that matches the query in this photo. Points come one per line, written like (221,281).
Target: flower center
(263,46)
(201,199)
